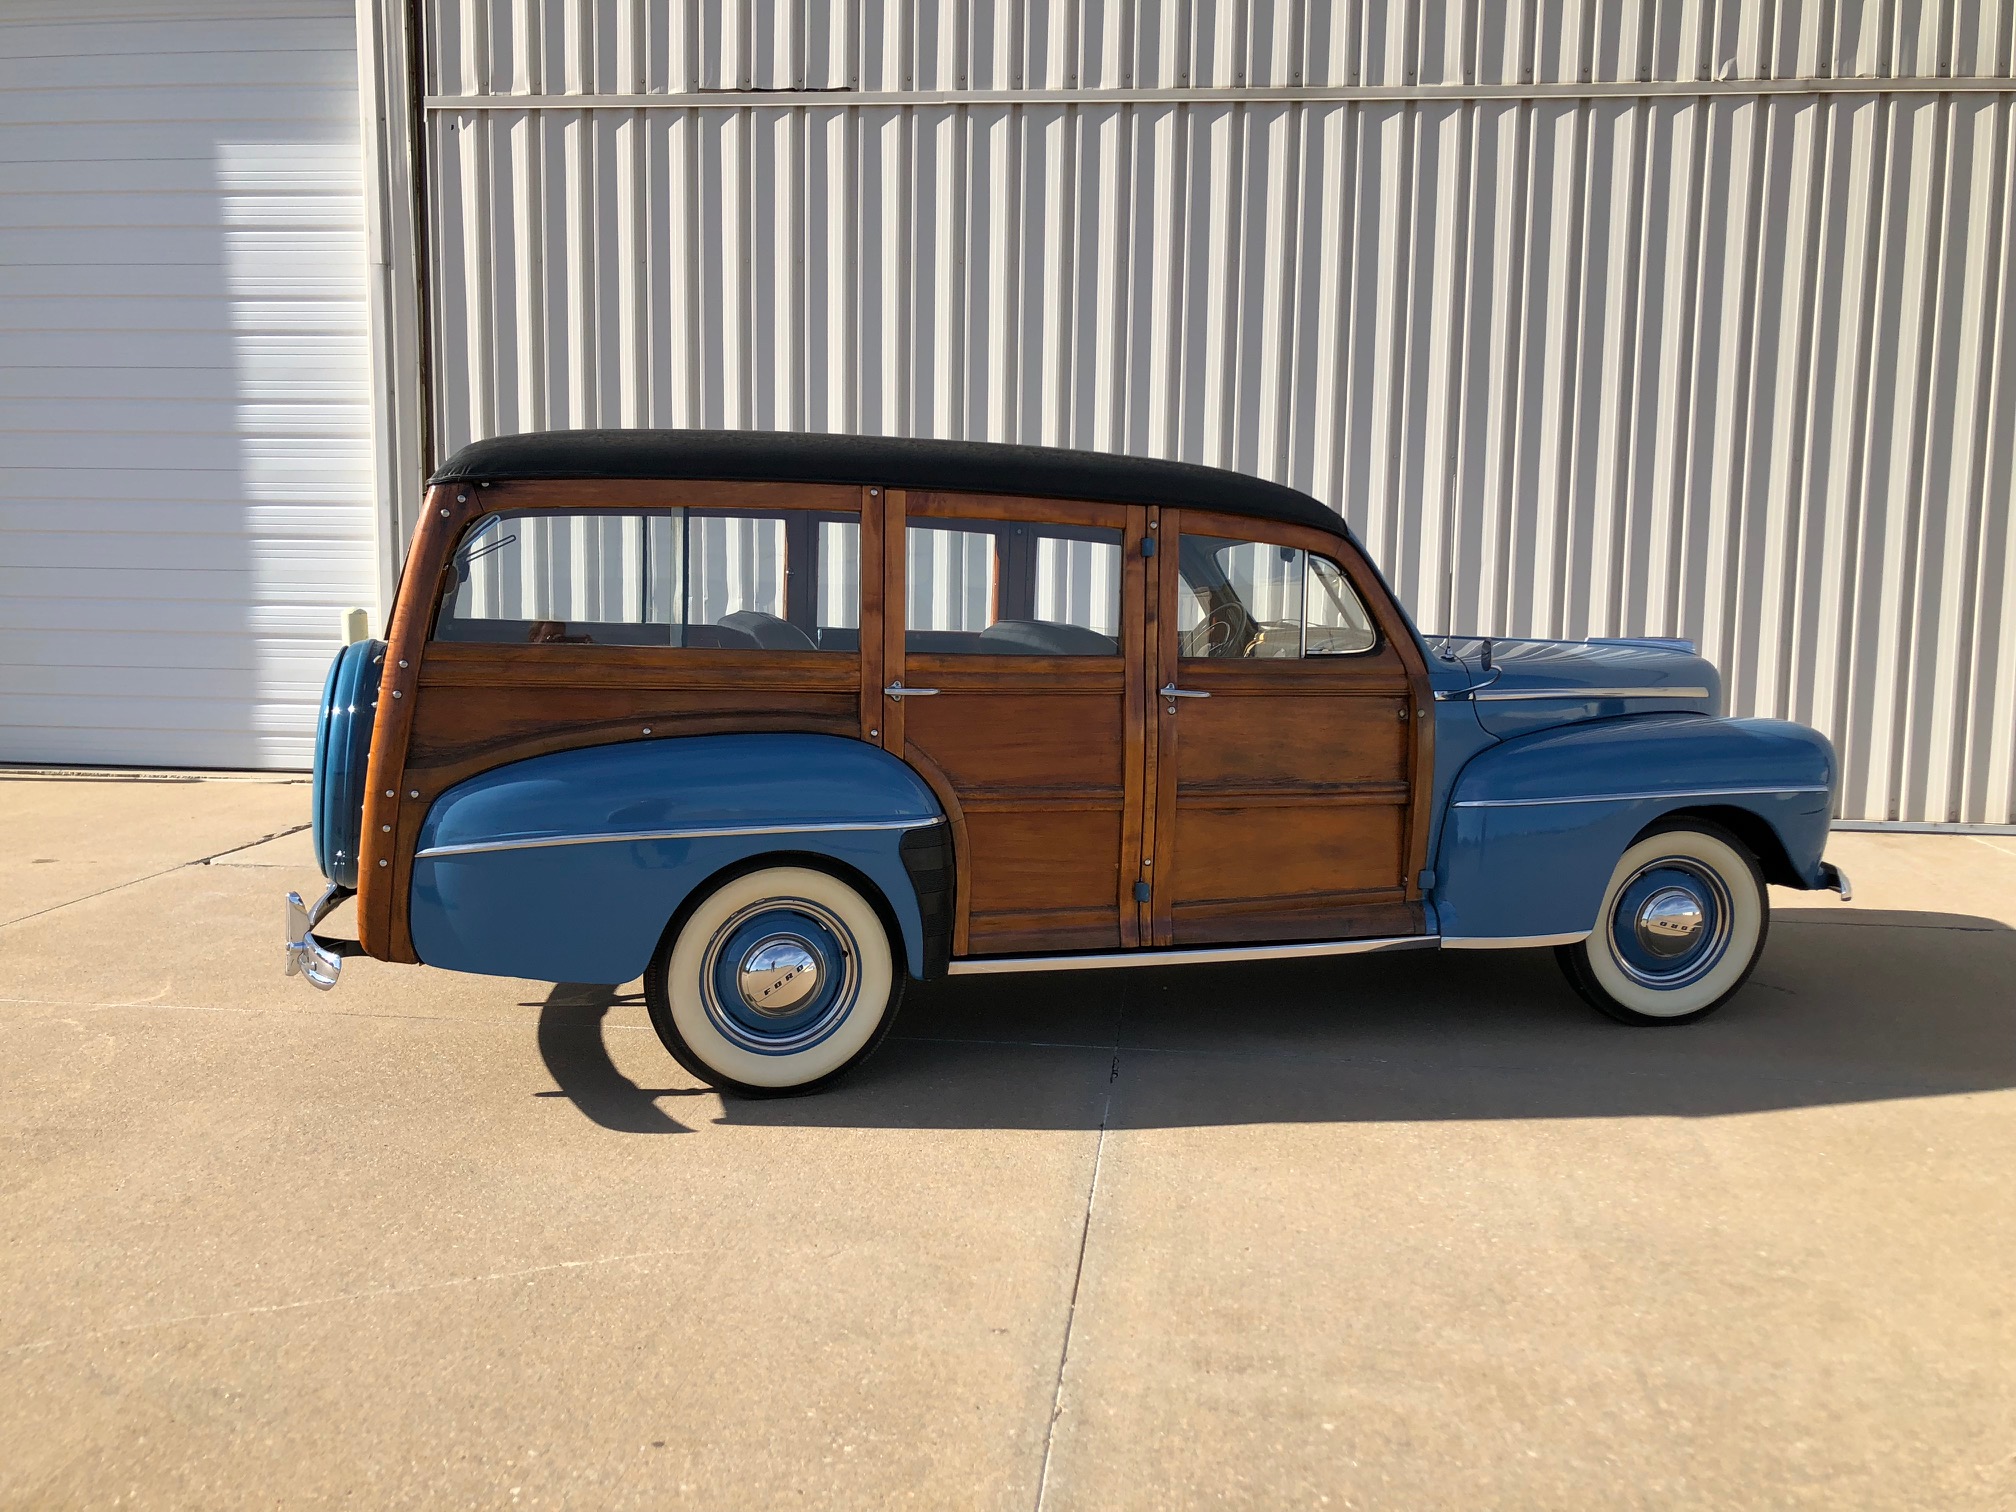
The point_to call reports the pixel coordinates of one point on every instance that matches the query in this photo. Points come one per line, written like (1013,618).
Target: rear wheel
(1682,925)
(776,983)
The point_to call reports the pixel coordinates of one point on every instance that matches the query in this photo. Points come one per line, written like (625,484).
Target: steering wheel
(1228,625)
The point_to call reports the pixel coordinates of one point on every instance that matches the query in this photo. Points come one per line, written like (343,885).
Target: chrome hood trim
(1520,686)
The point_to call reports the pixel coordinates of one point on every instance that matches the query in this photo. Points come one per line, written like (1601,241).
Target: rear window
(716,579)
(1012,588)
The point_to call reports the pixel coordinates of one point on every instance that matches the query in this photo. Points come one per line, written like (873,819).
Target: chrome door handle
(1172,691)
(897,690)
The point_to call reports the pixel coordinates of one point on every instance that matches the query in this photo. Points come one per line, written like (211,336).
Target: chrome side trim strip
(1583,695)
(698,832)
(993,965)
(1736,792)
(1512,942)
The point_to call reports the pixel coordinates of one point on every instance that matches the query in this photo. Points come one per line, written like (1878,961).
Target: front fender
(567,868)
(1534,826)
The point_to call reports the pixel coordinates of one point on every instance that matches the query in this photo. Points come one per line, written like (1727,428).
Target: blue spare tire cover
(342,751)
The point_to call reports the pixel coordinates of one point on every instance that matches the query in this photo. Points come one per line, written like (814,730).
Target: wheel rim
(1671,923)
(779,976)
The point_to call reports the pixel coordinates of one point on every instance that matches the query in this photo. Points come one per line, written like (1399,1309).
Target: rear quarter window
(715,579)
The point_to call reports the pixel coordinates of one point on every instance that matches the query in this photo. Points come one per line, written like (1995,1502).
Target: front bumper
(1833,879)
(319,960)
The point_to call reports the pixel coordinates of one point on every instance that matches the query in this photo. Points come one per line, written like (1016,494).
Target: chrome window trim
(697,832)
(991,965)
(1733,792)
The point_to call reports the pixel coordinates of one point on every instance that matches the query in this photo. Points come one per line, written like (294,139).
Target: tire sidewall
(678,1012)
(1749,908)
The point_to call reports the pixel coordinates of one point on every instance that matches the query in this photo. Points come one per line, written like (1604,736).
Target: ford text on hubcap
(1671,923)
(780,976)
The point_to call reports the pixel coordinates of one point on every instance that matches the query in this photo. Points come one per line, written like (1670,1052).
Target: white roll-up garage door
(185,484)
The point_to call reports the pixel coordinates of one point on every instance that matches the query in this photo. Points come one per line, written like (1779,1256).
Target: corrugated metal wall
(1612,318)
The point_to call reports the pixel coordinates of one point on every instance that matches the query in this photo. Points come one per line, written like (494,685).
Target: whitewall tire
(1682,925)
(776,982)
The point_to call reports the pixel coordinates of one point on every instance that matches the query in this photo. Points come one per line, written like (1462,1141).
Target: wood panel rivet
(388,792)
(461,498)
(384,863)
(444,514)
(410,793)
(402,664)
(647,729)
(386,828)
(397,694)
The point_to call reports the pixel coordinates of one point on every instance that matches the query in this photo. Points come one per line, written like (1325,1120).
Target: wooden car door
(1289,740)
(1014,677)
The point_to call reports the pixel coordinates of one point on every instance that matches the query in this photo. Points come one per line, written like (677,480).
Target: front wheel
(776,983)
(1682,925)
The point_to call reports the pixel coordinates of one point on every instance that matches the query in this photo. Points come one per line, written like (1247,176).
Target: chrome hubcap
(1669,922)
(777,975)
(780,975)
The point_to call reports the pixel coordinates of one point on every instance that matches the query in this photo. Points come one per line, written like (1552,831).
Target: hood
(1519,686)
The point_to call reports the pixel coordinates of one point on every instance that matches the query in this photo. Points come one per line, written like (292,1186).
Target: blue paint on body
(594,912)
(1523,851)
(342,752)
(1530,666)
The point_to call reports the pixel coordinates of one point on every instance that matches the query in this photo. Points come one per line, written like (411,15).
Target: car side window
(721,579)
(1012,588)
(1249,600)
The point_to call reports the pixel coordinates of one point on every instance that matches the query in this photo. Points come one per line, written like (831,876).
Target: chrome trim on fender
(1512,942)
(991,965)
(1584,695)
(698,832)
(1742,792)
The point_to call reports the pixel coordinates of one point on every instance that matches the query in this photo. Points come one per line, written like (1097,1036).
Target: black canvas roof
(952,466)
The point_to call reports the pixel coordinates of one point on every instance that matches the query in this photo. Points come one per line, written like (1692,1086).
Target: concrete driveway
(1417,1231)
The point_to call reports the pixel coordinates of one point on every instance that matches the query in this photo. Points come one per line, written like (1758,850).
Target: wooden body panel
(1039,751)
(1040,776)
(1289,805)
(466,708)
(1287,799)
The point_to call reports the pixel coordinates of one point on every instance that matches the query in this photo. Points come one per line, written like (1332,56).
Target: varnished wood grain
(465,708)
(1287,802)
(530,667)
(871,553)
(391,816)
(1286,920)
(1037,749)
(1291,805)
(895,595)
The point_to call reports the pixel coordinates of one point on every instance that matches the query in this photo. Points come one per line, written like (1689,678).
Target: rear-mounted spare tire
(342,751)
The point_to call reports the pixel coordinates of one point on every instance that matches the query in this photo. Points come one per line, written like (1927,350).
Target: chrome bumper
(321,961)
(1832,877)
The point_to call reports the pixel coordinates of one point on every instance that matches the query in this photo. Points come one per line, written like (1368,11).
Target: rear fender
(1535,825)
(567,867)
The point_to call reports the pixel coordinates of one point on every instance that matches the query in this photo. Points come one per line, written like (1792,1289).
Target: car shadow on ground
(1843,1008)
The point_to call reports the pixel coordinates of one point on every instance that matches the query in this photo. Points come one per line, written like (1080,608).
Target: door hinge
(1148,546)
(1427,879)
(1140,892)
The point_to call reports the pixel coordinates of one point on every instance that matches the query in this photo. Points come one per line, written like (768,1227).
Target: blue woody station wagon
(779,722)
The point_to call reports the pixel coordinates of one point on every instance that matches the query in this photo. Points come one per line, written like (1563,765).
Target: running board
(991,965)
